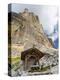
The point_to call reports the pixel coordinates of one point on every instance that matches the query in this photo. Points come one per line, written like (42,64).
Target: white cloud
(48,17)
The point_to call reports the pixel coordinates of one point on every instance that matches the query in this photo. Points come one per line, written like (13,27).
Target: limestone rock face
(26,28)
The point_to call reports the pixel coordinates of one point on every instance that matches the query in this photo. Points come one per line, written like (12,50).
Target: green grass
(44,68)
(15,63)
(13,60)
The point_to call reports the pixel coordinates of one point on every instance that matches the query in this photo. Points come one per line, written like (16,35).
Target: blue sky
(48,16)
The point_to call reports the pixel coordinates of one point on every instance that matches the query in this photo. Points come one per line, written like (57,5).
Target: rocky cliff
(26,27)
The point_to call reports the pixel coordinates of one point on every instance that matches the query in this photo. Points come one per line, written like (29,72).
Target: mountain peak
(26,28)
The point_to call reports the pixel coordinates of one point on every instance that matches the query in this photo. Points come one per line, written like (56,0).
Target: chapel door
(30,62)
